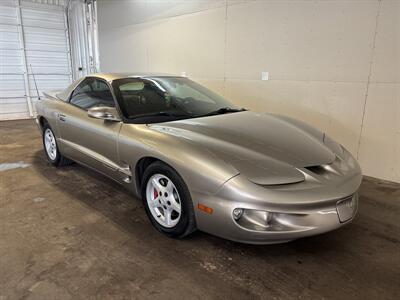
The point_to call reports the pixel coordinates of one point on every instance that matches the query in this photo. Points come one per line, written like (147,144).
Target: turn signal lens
(204,208)
(237,213)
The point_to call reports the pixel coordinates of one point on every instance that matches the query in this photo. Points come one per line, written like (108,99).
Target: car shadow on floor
(116,203)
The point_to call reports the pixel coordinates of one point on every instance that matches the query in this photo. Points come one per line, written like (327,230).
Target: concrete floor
(71,233)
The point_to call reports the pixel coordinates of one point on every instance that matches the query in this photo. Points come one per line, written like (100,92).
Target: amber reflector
(204,208)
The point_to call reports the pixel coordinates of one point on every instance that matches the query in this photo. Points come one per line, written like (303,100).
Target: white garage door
(33,37)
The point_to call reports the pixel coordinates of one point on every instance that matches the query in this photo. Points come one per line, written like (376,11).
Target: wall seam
(147,43)
(225,44)
(369,76)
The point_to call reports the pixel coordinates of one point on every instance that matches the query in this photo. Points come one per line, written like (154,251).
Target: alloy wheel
(50,144)
(163,200)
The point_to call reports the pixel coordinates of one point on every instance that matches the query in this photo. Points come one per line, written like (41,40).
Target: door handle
(61,117)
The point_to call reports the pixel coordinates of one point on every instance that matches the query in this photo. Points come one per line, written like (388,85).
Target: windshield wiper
(160,114)
(223,110)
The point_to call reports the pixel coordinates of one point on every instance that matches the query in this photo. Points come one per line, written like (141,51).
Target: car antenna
(34,80)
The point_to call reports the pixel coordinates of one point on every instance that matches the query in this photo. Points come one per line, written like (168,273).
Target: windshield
(158,99)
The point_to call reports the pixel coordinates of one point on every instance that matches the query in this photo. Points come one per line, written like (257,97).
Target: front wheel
(167,201)
(51,149)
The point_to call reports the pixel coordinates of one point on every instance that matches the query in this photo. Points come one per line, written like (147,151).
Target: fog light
(254,219)
(237,213)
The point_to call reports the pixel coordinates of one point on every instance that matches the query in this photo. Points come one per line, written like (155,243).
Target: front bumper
(298,210)
(288,222)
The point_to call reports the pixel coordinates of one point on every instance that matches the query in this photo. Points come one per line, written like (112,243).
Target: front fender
(202,170)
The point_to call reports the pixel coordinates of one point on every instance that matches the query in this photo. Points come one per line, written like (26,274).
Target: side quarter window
(92,93)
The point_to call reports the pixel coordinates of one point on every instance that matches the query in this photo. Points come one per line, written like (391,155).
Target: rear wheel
(51,149)
(167,201)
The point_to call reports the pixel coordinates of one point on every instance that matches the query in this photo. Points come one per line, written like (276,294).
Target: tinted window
(92,93)
(171,96)
(140,98)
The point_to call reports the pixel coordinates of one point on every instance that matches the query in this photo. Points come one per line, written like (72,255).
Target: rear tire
(51,148)
(167,201)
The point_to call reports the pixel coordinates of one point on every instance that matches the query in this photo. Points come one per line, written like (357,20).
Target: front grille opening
(320,170)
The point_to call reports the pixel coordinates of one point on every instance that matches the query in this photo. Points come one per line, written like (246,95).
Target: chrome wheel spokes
(163,200)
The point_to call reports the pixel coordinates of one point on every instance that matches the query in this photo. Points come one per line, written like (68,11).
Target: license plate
(346,208)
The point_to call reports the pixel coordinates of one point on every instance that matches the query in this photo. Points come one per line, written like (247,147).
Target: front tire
(167,201)
(51,149)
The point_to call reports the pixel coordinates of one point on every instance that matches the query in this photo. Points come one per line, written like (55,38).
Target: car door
(87,140)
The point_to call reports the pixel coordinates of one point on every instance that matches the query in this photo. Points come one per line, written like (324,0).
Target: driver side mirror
(104,113)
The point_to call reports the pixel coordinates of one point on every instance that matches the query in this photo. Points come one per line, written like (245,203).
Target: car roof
(114,76)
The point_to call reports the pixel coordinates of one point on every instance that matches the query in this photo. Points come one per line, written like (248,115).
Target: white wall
(333,64)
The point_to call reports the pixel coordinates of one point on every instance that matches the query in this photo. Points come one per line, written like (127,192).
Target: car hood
(267,148)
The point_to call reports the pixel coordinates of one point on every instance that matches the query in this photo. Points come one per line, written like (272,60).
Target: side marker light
(204,208)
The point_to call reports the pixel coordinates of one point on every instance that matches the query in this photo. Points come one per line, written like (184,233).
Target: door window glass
(92,93)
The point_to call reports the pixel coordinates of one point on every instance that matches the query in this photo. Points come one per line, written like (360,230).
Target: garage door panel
(12,89)
(12,81)
(10,61)
(35,34)
(42,43)
(8,15)
(48,83)
(42,56)
(8,31)
(9,45)
(60,62)
(13,106)
(50,70)
(53,82)
(48,62)
(7,2)
(11,58)
(37,38)
(16,100)
(43,46)
(21,112)
(13,94)
(8,27)
(35,42)
(9,37)
(46,54)
(46,19)
(15,116)
(12,69)
(11,86)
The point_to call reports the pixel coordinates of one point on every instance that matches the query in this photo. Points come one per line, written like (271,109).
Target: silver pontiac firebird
(199,162)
